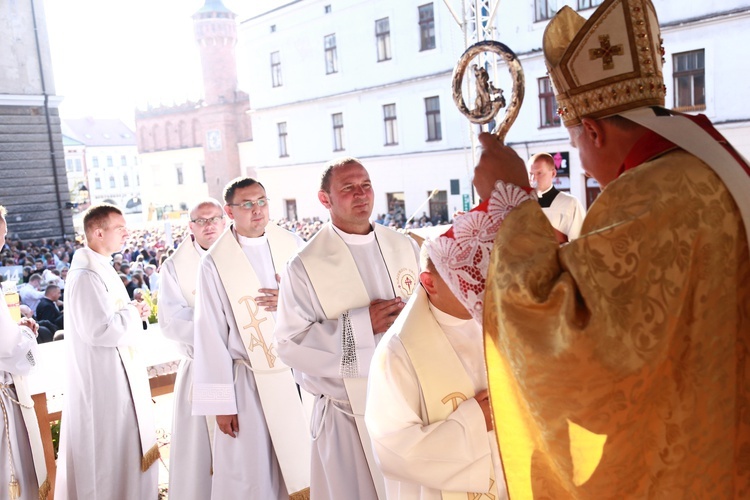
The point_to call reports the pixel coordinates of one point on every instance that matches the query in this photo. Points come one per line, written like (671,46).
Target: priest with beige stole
(190,448)
(617,363)
(23,471)
(108,443)
(338,296)
(261,448)
(428,411)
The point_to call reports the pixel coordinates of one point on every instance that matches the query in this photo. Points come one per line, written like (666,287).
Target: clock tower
(222,116)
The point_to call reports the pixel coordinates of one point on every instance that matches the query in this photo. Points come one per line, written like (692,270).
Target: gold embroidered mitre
(608,64)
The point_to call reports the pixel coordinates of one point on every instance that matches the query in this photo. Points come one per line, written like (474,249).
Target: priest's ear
(428,281)
(325,199)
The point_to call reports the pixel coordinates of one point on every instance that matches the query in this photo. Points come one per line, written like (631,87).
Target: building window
(283,153)
(112,182)
(95,162)
(587,4)
(276,69)
(338,131)
(426,27)
(432,112)
(273,28)
(544,9)
(110,163)
(137,180)
(327,9)
(123,161)
(125,180)
(97,183)
(79,168)
(690,80)
(203,173)
(329,43)
(69,165)
(180,177)
(391,130)
(548,116)
(383,38)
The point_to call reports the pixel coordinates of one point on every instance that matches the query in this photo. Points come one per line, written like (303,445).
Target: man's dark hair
(238,183)
(50,287)
(325,179)
(97,216)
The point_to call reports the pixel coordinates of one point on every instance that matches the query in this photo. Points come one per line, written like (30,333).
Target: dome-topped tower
(216,33)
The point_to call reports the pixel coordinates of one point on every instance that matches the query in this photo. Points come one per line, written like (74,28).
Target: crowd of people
(528,352)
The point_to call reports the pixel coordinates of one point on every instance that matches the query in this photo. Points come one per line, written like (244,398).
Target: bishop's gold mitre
(608,64)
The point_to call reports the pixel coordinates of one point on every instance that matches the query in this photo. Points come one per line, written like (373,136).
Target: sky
(111,56)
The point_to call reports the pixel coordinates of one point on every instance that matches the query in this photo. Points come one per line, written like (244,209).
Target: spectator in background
(30,292)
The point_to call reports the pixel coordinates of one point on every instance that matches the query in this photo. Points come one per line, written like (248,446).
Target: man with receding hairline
(338,296)
(563,210)
(107,441)
(190,449)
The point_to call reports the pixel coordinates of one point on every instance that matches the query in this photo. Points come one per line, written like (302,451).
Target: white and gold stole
(278,393)
(443,380)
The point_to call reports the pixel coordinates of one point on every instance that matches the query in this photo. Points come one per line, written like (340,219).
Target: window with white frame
(426,27)
(391,129)
(283,153)
(548,116)
(276,69)
(383,38)
(180,175)
(329,42)
(110,162)
(125,180)
(689,80)
(544,9)
(338,131)
(112,183)
(123,161)
(97,183)
(432,114)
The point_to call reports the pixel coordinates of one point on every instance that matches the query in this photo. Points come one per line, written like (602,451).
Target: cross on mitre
(605,52)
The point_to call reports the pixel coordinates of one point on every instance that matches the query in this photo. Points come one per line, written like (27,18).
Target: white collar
(201,252)
(355,239)
(445,319)
(252,242)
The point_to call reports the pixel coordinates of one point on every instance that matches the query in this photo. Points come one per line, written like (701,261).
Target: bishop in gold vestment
(617,363)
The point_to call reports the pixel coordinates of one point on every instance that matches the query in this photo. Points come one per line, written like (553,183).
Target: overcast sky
(111,56)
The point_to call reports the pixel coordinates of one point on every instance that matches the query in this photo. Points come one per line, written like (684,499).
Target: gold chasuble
(278,392)
(338,285)
(442,379)
(618,362)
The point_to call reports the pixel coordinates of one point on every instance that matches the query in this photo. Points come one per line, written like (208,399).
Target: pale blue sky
(110,56)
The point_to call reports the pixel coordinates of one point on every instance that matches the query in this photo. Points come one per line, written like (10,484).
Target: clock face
(213,139)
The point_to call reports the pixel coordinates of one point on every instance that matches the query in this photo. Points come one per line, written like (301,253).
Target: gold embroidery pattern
(605,52)
(639,330)
(256,337)
(479,496)
(456,398)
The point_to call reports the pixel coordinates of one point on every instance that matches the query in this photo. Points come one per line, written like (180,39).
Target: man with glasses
(190,448)
(261,447)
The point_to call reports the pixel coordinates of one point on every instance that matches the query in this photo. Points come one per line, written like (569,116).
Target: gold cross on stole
(256,337)
(605,52)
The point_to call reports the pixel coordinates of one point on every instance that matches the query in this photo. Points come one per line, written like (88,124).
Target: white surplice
(312,345)
(17,348)
(244,466)
(190,446)
(419,461)
(565,213)
(100,447)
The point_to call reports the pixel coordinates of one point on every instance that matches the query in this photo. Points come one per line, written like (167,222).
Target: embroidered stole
(442,379)
(132,362)
(338,285)
(186,260)
(35,437)
(277,390)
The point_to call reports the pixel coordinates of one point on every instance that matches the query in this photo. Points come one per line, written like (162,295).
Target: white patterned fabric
(462,255)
